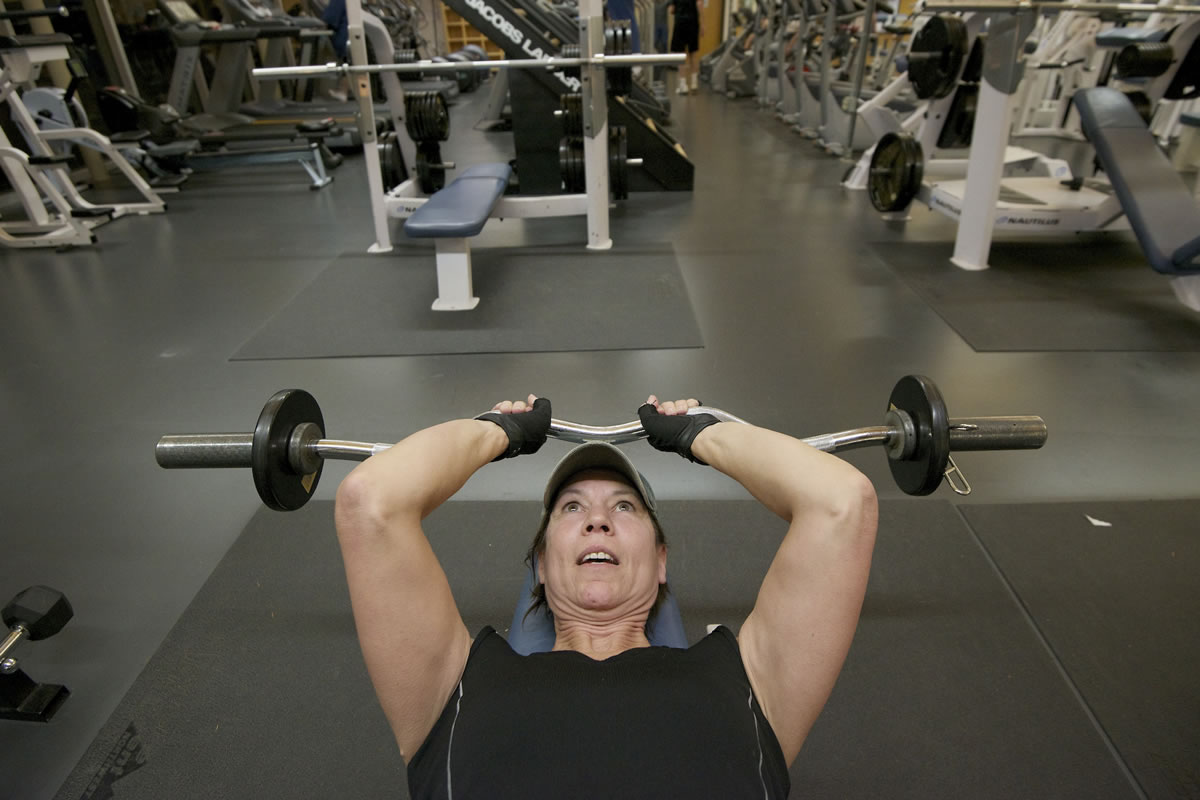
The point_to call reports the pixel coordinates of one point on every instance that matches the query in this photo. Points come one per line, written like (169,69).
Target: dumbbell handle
(185,451)
(14,636)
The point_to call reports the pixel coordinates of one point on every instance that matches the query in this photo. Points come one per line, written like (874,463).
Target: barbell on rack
(287,450)
(600,60)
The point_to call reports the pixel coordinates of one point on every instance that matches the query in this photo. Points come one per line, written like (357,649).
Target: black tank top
(652,722)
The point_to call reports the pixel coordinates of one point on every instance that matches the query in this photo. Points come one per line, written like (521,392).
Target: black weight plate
(573,167)
(577,171)
(618,155)
(425,115)
(572,118)
(564,159)
(916,172)
(391,161)
(277,483)
(570,51)
(412,119)
(441,116)
(895,172)
(578,182)
(922,472)
(936,56)
(431,175)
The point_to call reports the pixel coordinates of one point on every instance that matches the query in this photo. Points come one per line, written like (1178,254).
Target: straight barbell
(288,449)
(600,60)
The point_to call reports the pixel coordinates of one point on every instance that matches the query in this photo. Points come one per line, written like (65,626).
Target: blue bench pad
(461,209)
(1160,208)
(1191,120)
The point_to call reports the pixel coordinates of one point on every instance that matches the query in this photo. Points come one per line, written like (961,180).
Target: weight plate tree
(287,450)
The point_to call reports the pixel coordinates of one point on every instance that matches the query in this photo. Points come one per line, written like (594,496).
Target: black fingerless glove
(526,430)
(674,434)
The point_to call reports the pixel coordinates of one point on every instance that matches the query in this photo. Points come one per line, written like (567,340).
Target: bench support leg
(454,276)
(1187,290)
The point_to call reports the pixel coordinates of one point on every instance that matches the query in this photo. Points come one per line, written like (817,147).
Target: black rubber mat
(1093,295)
(532,299)
(1114,589)
(260,690)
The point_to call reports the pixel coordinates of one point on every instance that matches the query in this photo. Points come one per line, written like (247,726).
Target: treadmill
(219,104)
(413,81)
(280,30)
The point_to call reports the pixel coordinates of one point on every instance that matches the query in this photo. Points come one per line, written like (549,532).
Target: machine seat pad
(461,209)
(1119,37)
(1160,208)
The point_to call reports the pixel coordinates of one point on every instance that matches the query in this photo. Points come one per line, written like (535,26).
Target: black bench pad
(1160,208)
(461,209)
(1119,37)
(1190,120)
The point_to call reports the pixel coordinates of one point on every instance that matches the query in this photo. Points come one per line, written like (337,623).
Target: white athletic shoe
(682,89)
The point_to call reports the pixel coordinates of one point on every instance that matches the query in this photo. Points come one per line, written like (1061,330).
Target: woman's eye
(571,507)
(625,505)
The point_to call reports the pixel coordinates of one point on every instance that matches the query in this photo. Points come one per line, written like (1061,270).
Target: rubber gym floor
(807,316)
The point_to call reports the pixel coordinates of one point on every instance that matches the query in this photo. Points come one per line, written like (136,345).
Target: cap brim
(597,455)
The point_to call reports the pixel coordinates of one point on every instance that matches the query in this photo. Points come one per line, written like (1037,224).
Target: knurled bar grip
(189,451)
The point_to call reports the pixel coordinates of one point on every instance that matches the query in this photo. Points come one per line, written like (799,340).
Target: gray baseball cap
(597,455)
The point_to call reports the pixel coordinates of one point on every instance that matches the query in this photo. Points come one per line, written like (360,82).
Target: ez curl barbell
(287,450)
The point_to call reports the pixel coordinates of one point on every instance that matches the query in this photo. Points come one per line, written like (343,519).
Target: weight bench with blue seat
(1161,210)
(534,632)
(451,217)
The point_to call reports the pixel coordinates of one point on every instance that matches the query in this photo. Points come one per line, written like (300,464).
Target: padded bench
(1161,210)
(450,217)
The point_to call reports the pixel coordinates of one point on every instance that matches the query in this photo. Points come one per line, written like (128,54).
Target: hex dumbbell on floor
(287,450)
(35,613)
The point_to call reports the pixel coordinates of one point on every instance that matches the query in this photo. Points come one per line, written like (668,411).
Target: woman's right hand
(526,423)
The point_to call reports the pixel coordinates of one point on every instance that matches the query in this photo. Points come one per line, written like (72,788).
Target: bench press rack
(403,201)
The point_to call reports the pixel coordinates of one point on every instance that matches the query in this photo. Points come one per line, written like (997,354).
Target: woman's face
(601,562)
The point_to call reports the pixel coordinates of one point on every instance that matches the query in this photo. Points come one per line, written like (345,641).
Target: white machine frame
(21,67)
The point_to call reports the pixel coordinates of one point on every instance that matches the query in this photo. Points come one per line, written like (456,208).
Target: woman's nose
(598,522)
